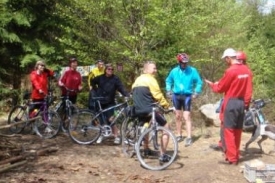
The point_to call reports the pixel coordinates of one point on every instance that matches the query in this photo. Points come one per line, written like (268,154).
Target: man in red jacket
(72,80)
(235,83)
(39,79)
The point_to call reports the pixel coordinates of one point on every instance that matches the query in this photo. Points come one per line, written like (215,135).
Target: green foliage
(131,32)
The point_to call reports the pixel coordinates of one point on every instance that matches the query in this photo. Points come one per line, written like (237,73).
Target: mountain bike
(86,126)
(47,123)
(133,140)
(65,108)
(255,121)
(254,116)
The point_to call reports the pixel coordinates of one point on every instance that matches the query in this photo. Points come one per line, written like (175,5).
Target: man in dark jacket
(106,86)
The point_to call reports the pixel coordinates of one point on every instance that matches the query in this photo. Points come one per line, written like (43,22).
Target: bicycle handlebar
(260,103)
(98,98)
(157,105)
(265,100)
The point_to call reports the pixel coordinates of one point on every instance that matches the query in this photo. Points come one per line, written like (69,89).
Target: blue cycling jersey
(184,81)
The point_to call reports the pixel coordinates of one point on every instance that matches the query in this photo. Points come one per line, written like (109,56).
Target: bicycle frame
(67,103)
(105,127)
(255,114)
(43,108)
(65,107)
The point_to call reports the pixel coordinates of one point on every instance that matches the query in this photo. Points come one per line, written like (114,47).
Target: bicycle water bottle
(33,113)
(115,113)
(145,126)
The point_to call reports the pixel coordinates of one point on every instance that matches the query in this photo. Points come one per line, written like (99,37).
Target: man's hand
(60,83)
(208,82)
(195,95)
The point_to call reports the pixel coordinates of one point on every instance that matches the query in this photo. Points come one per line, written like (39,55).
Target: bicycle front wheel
(17,114)
(48,125)
(129,133)
(66,117)
(150,158)
(84,128)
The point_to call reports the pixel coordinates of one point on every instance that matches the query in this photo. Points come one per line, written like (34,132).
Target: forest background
(130,32)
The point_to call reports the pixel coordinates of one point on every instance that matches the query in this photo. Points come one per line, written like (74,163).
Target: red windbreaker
(235,83)
(40,82)
(72,80)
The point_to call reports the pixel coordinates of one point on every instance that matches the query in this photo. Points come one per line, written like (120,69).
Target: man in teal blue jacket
(183,84)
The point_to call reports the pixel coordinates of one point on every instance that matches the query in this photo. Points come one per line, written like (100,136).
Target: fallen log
(8,146)
(12,135)
(19,122)
(8,167)
(43,152)
(12,160)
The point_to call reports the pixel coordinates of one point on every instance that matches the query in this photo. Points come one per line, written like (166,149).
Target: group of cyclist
(183,84)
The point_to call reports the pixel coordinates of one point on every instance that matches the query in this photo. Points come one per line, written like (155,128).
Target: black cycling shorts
(182,102)
(147,118)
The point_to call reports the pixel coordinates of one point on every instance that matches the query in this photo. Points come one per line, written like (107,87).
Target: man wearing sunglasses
(106,86)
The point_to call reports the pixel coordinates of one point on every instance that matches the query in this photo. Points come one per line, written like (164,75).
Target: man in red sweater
(72,80)
(235,83)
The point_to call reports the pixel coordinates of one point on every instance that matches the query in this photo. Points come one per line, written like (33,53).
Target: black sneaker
(164,158)
(179,138)
(216,147)
(188,142)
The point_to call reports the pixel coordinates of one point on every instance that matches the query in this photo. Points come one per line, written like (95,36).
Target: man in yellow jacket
(96,71)
(146,92)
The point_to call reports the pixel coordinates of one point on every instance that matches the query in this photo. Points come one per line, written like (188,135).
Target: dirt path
(105,163)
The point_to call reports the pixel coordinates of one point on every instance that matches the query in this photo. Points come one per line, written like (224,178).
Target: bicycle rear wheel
(17,114)
(48,125)
(150,159)
(129,133)
(84,128)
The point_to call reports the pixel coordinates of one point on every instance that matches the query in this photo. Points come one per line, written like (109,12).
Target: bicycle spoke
(48,125)
(151,158)
(17,114)
(83,129)
(129,136)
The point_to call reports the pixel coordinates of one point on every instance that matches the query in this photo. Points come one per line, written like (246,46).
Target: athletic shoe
(188,142)
(216,147)
(48,130)
(164,158)
(179,138)
(228,162)
(129,142)
(100,139)
(117,140)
